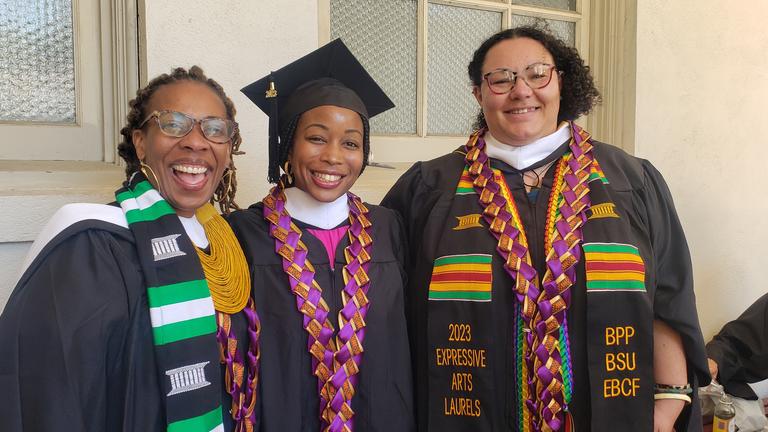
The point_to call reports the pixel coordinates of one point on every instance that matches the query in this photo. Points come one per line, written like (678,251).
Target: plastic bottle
(724,414)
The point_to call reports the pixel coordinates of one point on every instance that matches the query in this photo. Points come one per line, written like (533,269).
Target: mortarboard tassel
(273,172)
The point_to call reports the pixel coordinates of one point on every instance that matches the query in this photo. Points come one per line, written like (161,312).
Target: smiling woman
(563,255)
(136,315)
(327,268)
(327,153)
(520,101)
(186,161)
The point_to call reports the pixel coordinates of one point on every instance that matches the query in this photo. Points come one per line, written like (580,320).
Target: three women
(544,268)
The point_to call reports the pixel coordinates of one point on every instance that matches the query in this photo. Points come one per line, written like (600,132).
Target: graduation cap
(330,75)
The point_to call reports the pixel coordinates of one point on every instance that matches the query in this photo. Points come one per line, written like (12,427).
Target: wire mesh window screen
(565,30)
(454,35)
(552,4)
(383,36)
(37,68)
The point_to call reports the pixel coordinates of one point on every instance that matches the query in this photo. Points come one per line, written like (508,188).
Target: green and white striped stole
(181,310)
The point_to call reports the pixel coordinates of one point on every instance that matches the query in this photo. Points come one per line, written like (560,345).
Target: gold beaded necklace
(225,267)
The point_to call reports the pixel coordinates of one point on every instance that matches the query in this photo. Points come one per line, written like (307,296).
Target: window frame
(105,39)
(422,145)
(32,190)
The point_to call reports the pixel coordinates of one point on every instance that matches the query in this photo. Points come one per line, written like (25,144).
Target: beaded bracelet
(677,396)
(676,389)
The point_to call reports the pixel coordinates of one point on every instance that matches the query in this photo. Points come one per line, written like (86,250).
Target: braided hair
(578,93)
(227,187)
(286,144)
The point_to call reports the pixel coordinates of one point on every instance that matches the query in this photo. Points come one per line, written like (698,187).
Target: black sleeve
(402,196)
(413,197)
(674,300)
(741,347)
(60,332)
(400,242)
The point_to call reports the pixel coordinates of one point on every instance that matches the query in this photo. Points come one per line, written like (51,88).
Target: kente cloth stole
(541,332)
(181,310)
(335,360)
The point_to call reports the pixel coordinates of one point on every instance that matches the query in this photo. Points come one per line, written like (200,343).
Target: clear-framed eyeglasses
(536,76)
(178,124)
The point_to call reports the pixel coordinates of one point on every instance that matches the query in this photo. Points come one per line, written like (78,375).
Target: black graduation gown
(77,341)
(741,350)
(427,194)
(288,388)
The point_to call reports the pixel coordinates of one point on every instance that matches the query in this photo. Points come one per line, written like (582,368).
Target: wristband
(676,396)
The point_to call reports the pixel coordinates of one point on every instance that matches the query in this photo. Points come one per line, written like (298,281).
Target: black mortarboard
(330,75)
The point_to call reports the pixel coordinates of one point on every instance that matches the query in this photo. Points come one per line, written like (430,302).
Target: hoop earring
(230,172)
(144,168)
(287,170)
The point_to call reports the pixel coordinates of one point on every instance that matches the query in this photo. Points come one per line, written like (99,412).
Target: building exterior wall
(235,42)
(701,85)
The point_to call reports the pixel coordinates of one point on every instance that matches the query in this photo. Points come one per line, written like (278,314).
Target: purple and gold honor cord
(335,361)
(243,394)
(542,306)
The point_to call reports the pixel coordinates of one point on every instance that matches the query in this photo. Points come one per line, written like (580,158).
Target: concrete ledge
(31,191)
(375,182)
(411,149)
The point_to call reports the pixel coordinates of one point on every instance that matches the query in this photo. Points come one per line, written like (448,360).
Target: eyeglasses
(177,124)
(537,76)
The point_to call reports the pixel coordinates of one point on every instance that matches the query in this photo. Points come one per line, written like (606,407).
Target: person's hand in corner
(712,368)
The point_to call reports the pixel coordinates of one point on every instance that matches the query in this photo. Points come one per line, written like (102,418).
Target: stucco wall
(701,84)
(235,42)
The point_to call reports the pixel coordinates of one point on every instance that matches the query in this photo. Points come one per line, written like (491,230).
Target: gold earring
(287,170)
(144,168)
(230,172)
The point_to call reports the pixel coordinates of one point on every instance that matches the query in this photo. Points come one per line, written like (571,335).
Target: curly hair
(227,187)
(578,93)
(287,136)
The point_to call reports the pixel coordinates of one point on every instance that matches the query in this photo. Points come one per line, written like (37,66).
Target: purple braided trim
(245,412)
(573,206)
(536,320)
(337,391)
(314,296)
(348,312)
(253,355)
(526,290)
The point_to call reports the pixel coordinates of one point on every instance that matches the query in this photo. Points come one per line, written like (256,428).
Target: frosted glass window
(565,30)
(382,35)
(553,4)
(37,68)
(454,35)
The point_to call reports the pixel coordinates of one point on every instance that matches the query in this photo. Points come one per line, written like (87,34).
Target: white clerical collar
(195,231)
(302,206)
(521,157)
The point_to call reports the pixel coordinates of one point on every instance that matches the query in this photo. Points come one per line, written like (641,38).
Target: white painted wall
(11,257)
(702,80)
(236,42)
